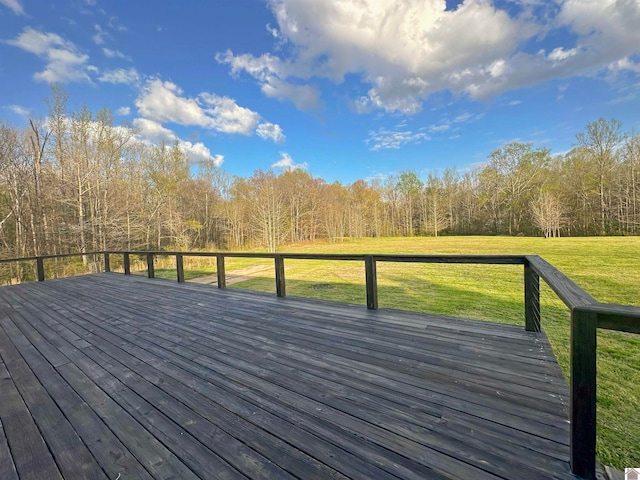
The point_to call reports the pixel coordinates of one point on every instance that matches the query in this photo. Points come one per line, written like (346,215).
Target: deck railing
(587,315)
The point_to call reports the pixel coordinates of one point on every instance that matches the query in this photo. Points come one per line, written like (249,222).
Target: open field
(605,267)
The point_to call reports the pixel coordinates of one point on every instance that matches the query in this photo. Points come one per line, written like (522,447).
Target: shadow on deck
(109,376)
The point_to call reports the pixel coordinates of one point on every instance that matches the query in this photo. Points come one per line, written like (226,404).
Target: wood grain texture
(179,380)
(570,293)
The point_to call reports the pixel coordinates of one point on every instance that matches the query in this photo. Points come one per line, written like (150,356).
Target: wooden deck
(109,376)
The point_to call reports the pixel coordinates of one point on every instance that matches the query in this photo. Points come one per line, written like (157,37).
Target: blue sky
(345,89)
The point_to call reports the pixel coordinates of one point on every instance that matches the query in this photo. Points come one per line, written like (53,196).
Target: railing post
(531,300)
(179,267)
(40,268)
(583,392)
(371,277)
(222,277)
(150,270)
(107,265)
(281,290)
(127,264)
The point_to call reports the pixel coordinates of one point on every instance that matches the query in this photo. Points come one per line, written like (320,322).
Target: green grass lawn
(607,268)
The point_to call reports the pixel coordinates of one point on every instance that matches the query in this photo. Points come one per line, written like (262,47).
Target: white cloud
(218,160)
(405,51)
(151,132)
(64,66)
(385,139)
(439,128)
(270,71)
(260,68)
(361,105)
(198,152)
(304,97)
(268,130)
(64,62)
(463,117)
(39,43)
(13,5)
(225,115)
(99,36)
(273,31)
(625,64)
(165,102)
(445,124)
(124,111)
(287,163)
(115,54)
(120,76)
(559,54)
(18,110)
(114,24)
(162,102)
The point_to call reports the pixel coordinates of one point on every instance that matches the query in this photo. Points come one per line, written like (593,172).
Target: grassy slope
(605,267)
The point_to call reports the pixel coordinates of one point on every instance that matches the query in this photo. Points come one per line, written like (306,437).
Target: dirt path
(233,276)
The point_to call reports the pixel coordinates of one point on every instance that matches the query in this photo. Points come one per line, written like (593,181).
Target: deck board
(154,379)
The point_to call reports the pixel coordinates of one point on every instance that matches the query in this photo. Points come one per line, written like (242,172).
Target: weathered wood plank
(157,459)
(469,398)
(433,453)
(7,467)
(406,352)
(202,460)
(112,456)
(365,470)
(29,452)
(429,334)
(71,455)
(305,388)
(252,436)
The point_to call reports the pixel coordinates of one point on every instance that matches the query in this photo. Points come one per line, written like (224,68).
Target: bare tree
(434,210)
(631,183)
(268,212)
(547,214)
(601,140)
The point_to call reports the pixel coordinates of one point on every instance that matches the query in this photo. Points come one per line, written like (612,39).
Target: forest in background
(75,182)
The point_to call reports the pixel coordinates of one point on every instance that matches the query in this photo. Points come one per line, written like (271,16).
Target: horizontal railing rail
(39,259)
(46,257)
(567,290)
(587,314)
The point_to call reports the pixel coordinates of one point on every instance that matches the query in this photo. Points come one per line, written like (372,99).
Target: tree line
(77,182)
